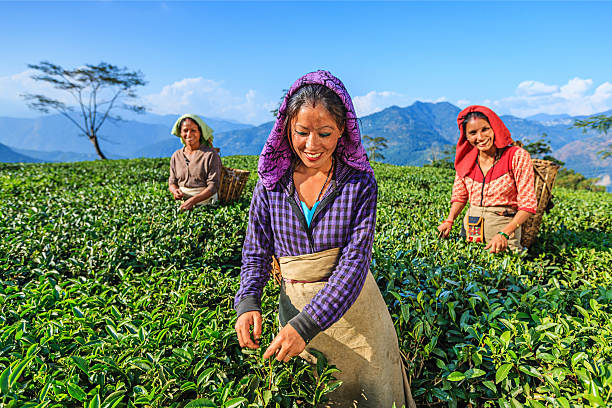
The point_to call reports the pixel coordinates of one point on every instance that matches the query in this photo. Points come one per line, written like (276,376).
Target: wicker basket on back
(232,183)
(545,174)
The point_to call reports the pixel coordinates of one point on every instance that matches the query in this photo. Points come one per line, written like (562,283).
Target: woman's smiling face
(480,135)
(190,133)
(314,136)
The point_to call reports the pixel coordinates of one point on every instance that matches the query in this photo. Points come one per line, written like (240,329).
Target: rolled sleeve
(256,254)
(172,179)
(524,178)
(213,177)
(346,281)
(460,191)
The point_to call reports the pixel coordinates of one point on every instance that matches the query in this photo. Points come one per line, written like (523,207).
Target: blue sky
(232,59)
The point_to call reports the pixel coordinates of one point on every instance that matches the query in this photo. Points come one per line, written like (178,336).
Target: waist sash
(189,192)
(362,344)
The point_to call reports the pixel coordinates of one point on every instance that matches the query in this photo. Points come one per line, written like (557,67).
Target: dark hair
(312,94)
(473,115)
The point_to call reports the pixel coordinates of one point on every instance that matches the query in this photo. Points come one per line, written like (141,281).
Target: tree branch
(110,106)
(87,82)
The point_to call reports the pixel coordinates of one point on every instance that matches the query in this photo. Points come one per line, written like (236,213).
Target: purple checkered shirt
(345,219)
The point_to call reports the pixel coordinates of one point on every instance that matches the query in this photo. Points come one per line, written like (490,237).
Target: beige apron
(362,344)
(189,192)
(493,223)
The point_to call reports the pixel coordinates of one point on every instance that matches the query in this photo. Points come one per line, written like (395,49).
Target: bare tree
(98,90)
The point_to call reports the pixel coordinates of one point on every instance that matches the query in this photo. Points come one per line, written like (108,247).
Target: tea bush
(111,297)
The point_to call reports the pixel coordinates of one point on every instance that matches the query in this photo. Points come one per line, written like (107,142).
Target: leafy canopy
(374,145)
(600,123)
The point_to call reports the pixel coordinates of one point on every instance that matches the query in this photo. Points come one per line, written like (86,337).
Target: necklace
(326,178)
(484,176)
(329,172)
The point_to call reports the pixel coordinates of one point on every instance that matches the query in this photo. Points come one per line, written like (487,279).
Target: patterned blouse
(345,219)
(510,182)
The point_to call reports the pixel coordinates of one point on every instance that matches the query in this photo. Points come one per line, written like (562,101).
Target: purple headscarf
(277,155)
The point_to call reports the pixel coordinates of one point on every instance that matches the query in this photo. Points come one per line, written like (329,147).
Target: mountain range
(415,134)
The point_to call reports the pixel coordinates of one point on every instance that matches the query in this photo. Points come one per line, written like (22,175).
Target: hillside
(8,155)
(111,297)
(248,141)
(413,131)
(414,134)
(54,133)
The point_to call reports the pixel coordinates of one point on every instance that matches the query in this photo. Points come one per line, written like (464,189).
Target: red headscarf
(466,155)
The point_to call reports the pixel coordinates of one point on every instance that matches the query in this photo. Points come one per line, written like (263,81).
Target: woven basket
(232,183)
(545,174)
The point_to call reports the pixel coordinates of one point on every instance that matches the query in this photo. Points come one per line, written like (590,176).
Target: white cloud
(576,97)
(575,88)
(374,101)
(198,95)
(531,88)
(13,86)
(602,93)
(604,180)
(463,103)
(209,98)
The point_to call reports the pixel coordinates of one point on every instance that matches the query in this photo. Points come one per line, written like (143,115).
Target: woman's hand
(447,225)
(188,204)
(287,343)
(499,243)
(445,228)
(243,329)
(176,193)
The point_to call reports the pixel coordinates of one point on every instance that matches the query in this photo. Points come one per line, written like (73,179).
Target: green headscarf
(206,137)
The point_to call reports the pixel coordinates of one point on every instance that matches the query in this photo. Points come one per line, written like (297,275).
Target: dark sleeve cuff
(248,304)
(305,325)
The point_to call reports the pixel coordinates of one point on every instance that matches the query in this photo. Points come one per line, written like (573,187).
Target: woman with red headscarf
(495,177)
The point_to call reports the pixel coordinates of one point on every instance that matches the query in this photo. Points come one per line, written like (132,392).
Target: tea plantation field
(110,297)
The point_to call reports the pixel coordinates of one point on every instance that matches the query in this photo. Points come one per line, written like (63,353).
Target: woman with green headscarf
(195,169)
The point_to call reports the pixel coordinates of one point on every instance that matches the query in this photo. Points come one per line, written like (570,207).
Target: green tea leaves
(456,376)
(502,372)
(111,297)
(75,391)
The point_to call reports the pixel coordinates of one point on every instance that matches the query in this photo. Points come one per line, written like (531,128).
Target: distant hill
(413,134)
(558,134)
(413,131)
(59,156)
(218,125)
(55,133)
(8,155)
(163,148)
(241,141)
(548,119)
(247,141)
(581,156)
